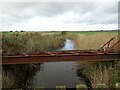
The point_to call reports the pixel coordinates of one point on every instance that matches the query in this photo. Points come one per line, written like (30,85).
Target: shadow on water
(57,74)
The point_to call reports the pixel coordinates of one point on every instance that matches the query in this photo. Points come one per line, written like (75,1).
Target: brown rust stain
(68,55)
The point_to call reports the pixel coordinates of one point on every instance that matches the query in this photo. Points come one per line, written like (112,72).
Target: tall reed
(93,41)
(26,42)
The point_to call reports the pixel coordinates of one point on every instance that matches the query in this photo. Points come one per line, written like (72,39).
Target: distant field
(92,32)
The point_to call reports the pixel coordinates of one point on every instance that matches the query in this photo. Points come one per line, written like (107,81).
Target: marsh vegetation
(93,40)
(29,42)
(107,72)
(18,76)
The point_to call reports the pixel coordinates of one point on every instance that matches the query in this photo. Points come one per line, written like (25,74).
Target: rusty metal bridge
(102,54)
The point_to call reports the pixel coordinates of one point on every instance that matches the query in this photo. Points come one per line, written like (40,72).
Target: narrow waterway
(70,74)
(58,73)
(69,45)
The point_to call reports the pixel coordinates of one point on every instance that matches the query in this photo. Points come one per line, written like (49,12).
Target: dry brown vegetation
(98,72)
(101,72)
(18,76)
(26,42)
(93,41)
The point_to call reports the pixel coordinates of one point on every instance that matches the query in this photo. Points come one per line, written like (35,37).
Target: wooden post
(102,85)
(117,85)
(81,87)
(60,87)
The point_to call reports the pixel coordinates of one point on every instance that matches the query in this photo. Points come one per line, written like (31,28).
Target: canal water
(58,73)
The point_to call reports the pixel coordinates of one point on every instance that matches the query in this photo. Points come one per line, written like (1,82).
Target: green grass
(91,32)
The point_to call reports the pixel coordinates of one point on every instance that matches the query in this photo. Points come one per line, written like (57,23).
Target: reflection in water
(55,74)
(58,73)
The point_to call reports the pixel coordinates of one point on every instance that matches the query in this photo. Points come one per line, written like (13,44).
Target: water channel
(58,73)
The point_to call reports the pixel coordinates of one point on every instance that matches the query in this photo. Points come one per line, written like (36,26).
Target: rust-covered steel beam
(60,56)
(107,43)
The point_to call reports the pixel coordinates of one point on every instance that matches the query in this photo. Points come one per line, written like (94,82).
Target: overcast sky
(39,16)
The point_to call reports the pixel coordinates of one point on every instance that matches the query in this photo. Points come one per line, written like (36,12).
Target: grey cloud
(103,13)
(89,12)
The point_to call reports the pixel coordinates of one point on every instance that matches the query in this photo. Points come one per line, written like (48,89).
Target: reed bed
(93,41)
(98,72)
(19,76)
(27,42)
(101,72)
